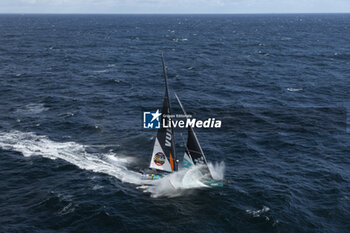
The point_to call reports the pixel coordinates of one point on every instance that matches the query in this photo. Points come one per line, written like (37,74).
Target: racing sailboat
(164,160)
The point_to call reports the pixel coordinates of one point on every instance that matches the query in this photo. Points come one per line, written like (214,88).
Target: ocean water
(72,91)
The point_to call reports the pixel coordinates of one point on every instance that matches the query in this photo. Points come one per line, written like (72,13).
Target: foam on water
(175,184)
(186,179)
(30,144)
(33,108)
(294,89)
(257,213)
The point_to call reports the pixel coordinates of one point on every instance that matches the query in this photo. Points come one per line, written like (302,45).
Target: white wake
(30,144)
(175,184)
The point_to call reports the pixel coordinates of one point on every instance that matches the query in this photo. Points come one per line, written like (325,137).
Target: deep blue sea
(72,91)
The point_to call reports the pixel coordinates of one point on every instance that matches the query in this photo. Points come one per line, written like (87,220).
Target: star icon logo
(151,120)
(156,115)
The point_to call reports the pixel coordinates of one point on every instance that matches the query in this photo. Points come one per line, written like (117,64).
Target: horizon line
(241,13)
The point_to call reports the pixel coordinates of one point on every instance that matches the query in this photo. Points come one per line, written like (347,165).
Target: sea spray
(217,170)
(172,185)
(184,181)
(177,183)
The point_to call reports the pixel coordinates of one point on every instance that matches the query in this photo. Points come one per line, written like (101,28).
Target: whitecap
(101,71)
(294,89)
(67,209)
(33,108)
(182,39)
(96,187)
(257,213)
(285,38)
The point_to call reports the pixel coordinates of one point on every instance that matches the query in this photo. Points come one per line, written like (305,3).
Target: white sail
(187,161)
(159,161)
(164,156)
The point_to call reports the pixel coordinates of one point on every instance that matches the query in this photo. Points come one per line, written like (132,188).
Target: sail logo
(159,159)
(151,120)
(168,137)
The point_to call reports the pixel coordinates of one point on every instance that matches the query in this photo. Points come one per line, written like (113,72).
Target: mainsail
(163,156)
(194,154)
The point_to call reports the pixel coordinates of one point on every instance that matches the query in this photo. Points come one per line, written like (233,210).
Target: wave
(180,39)
(32,108)
(175,184)
(257,213)
(294,89)
(101,71)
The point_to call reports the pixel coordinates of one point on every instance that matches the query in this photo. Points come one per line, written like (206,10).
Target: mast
(175,165)
(166,79)
(164,156)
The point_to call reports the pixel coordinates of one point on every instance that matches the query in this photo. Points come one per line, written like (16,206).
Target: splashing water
(172,185)
(217,170)
(177,183)
(30,144)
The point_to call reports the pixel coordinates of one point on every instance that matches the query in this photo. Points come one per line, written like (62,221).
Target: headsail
(164,156)
(194,154)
